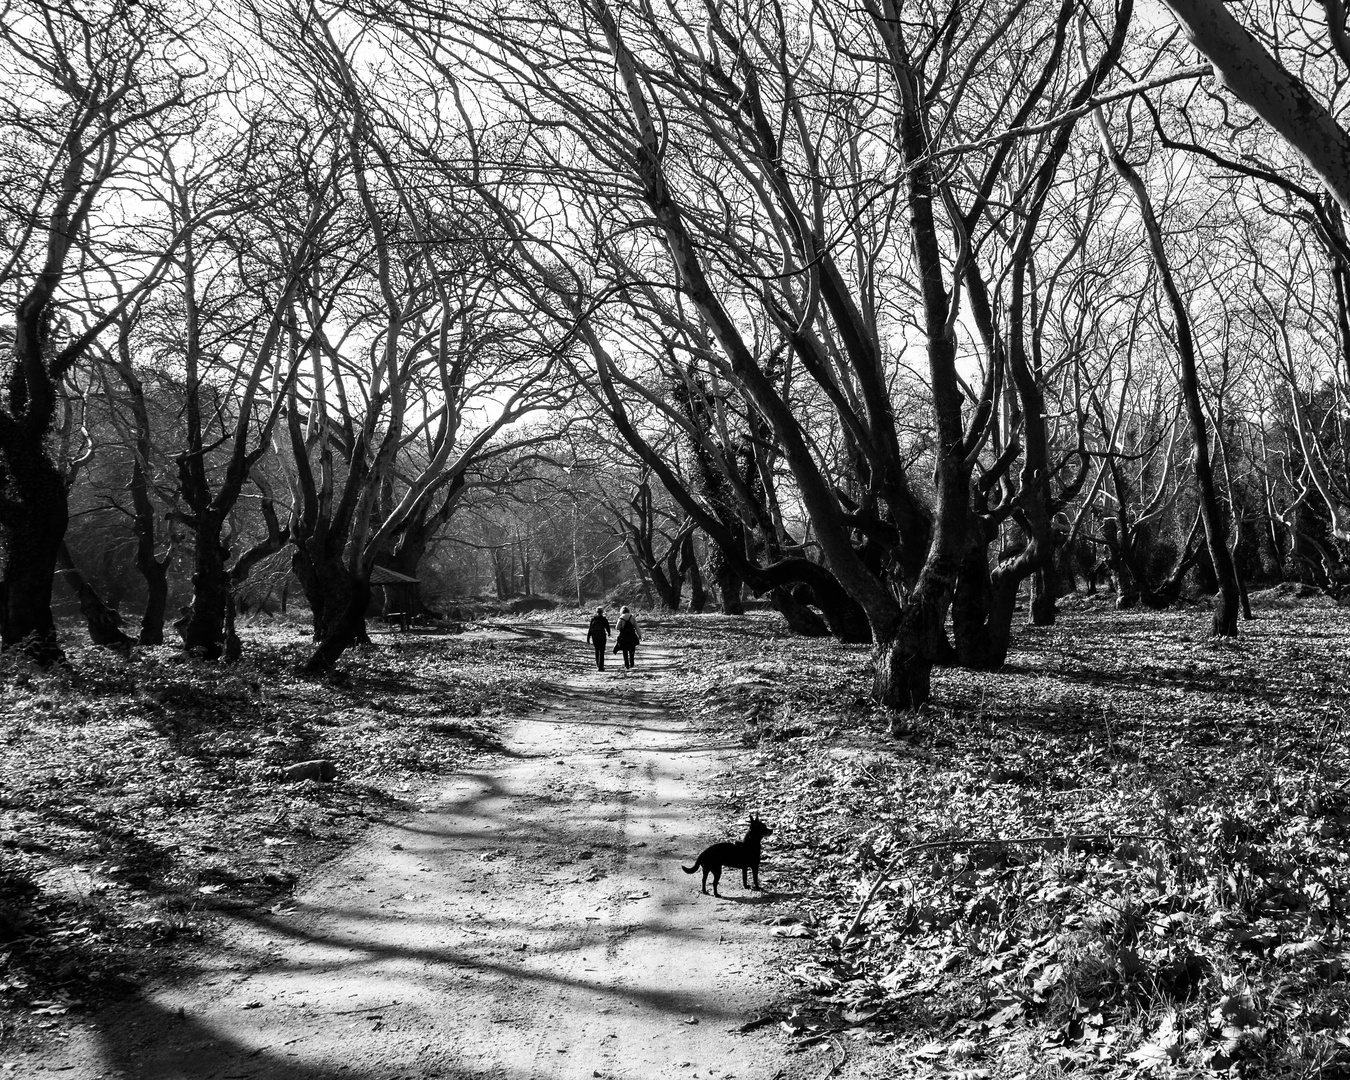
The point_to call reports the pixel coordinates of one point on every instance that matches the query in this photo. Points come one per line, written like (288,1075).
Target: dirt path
(530,921)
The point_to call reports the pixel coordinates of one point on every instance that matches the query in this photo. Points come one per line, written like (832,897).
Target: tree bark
(726,581)
(982,610)
(1045,591)
(326,583)
(345,630)
(204,632)
(698,598)
(33,523)
(154,570)
(902,663)
(800,618)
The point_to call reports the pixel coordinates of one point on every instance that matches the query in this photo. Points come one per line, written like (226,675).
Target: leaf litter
(136,791)
(1128,852)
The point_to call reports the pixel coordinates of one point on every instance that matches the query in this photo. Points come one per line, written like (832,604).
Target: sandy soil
(530,920)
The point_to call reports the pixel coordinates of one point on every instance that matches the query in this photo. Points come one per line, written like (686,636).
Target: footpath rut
(530,920)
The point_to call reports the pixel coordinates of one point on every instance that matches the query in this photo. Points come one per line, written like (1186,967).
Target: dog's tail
(691,869)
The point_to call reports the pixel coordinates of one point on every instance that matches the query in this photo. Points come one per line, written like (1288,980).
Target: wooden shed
(398,595)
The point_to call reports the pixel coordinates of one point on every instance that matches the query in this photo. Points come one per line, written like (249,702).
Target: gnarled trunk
(156,575)
(328,586)
(845,616)
(902,661)
(346,627)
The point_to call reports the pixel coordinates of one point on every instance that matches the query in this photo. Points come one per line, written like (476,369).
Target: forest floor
(1127,852)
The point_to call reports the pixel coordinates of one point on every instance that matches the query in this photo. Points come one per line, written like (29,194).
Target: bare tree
(89,93)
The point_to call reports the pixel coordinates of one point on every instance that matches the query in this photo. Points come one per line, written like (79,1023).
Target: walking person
(598,634)
(629,637)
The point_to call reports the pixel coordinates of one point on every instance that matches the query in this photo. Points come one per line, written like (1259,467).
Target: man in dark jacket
(598,634)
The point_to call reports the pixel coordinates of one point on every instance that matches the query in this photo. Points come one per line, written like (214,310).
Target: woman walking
(598,634)
(628,636)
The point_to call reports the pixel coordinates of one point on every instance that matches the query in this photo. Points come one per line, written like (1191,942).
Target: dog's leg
(717,876)
(705,882)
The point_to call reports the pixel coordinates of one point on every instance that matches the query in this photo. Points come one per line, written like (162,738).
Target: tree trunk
(845,616)
(698,597)
(726,582)
(406,559)
(348,628)
(1045,591)
(32,536)
(154,570)
(800,618)
(982,611)
(902,662)
(234,648)
(667,576)
(327,585)
(667,591)
(105,624)
(204,633)
(156,575)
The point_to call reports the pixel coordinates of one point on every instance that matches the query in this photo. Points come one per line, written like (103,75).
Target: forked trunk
(154,570)
(903,659)
(902,662)
(328,586)
(667,589)
(324,583)
(901,677)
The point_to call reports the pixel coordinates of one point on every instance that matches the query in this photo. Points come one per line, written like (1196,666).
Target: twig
(363,1008)
(833,1070)
(889,868)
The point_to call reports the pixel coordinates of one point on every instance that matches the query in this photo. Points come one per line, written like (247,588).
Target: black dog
(742,855)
